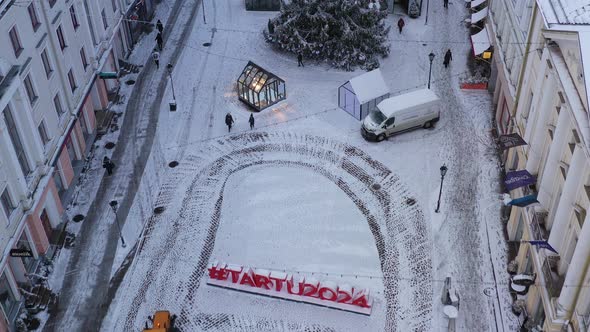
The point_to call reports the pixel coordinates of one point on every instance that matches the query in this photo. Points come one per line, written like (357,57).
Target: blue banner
(524,201)
(518,179)
(543,244)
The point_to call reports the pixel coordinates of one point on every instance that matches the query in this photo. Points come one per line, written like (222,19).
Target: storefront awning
(480,42)
(476,3)
(480,15)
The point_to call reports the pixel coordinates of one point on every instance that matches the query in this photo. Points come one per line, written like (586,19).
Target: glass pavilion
(259,88)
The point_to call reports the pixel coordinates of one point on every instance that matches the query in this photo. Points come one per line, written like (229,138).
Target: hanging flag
(524,201)
(510,141)
(518,179)
(542,244)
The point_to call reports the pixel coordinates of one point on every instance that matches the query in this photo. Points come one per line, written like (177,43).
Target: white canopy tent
(361,94)
(480,15)
(480,42)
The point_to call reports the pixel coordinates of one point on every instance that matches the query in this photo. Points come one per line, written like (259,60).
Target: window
(46,63)
(30,90)
(75,22)
(72,80)
(33,15)
(57,103)
(104,20)
(60,38)
(17,47)
(43,133)
(83,56)
(16,141)
(114,4)
(7,205)
(580,213)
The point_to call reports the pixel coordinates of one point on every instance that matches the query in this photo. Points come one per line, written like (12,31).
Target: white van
(402,113)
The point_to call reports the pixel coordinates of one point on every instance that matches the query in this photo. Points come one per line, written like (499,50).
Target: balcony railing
(538,226)
(553,281)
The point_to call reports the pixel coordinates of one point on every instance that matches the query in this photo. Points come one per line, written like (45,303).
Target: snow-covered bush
(346,33)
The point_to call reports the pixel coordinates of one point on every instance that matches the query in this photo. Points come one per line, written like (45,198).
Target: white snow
(291,196)
(392,105)
(369,86)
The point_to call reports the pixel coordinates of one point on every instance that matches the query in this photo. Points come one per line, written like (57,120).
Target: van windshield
(377,117)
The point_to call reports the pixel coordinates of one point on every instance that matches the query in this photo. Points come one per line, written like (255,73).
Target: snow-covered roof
(395,104)
(565,11)
(369,86)
(480,41)
(480,15)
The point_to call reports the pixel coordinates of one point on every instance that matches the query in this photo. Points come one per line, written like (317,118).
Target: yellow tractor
(161,322)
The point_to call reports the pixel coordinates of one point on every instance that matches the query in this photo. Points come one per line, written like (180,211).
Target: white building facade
(52,99)
(551,114)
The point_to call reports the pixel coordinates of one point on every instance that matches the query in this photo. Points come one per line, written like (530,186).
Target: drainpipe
(524,60)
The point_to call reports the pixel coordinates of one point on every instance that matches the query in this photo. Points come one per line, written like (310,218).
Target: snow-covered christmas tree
(346,33)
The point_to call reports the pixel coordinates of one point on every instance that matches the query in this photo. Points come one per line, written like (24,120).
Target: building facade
(52,99)
(509,23)
(551,114)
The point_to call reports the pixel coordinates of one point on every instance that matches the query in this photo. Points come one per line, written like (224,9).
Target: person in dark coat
(229,121)
(300,60)
(251,120)
(401,24)
(448,58)
(108,165)
(160,41)
(446,3)
(160,26)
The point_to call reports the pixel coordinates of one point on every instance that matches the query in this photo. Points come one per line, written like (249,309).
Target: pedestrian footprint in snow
(108,164)
(448,58)
(401,24)
(300,60)
(160,26)
(446,3)
(229,121)
(156,57)
(251,120)
(159,40)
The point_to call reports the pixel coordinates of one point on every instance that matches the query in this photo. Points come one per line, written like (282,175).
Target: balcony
(538,229)
(6,81)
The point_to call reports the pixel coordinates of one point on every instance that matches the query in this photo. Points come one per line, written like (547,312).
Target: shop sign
(288,286)
(21,253)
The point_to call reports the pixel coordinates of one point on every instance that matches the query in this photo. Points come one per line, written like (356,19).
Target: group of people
(229,121)
(159,41)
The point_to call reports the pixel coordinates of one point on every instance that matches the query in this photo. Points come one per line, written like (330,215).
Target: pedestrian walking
(401,24)
(300,60)
(229,121)
(156,57)
(448,58)
(160,26)
(446,3)
(160,41)
(251,120)
(108,165)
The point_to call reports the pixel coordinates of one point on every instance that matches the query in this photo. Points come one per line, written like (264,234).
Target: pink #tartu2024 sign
(291,287)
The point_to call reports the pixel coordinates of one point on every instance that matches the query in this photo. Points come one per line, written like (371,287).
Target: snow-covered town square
(302,165)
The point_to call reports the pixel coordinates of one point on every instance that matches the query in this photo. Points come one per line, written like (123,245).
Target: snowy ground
(295,193)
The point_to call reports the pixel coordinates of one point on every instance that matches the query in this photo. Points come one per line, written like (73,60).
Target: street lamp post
(431,58)
(173,102)
(113,205)
(443,171)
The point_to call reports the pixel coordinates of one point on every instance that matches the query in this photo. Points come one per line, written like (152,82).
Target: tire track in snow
(397,229)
